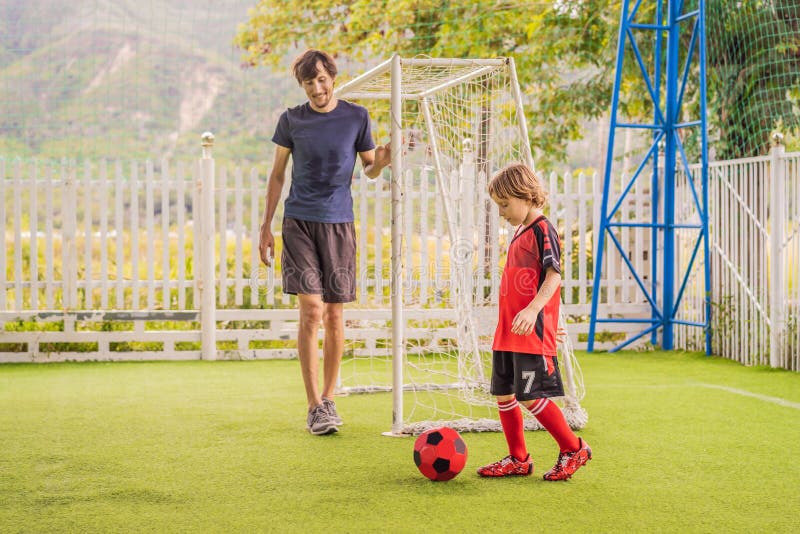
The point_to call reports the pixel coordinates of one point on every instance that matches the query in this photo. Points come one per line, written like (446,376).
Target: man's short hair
(305,66)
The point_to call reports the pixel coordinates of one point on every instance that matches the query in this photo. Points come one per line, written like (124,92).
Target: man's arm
(375,160)
(277,177)
(525,320)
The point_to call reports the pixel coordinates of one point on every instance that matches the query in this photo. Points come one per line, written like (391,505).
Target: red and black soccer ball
(440,453)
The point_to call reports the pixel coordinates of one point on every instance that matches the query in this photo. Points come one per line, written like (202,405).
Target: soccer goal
(453,123)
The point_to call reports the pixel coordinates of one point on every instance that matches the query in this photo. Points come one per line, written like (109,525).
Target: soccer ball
(440,453)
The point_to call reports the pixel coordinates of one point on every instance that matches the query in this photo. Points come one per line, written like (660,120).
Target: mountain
(144,79)
(132,79)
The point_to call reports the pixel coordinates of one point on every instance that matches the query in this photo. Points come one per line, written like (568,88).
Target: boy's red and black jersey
(534,249)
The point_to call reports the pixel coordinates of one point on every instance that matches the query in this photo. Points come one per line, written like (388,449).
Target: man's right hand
(266,244)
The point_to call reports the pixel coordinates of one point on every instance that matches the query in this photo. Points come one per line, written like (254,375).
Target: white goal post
(453,123)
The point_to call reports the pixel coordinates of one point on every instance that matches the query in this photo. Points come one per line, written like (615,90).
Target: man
(323,137)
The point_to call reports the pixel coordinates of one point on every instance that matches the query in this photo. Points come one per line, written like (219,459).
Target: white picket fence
(106,253)
(754,227)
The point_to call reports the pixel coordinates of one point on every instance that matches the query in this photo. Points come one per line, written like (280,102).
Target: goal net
(453,123)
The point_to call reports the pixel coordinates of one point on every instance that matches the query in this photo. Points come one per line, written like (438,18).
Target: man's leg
(332,346)
(311,311)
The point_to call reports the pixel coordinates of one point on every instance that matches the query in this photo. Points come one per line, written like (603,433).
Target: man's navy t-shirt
(324,148)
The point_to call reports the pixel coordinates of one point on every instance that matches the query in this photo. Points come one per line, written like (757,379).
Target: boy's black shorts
(527,376)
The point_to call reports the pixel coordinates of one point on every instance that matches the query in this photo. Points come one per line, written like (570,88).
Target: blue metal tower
(666,36)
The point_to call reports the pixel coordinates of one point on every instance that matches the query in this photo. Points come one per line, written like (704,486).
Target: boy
(525,369)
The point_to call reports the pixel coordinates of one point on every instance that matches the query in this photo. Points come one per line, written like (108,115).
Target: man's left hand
(383,156)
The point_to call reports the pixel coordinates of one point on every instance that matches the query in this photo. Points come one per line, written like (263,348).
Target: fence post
(69,252)
(777,273)
(207,285)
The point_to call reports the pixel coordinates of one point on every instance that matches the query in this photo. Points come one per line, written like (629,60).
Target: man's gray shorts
(319,259)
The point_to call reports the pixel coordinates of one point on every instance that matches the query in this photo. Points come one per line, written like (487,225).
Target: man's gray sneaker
(330,406)
(320,421)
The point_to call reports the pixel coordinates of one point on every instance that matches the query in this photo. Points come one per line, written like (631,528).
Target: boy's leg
(504,381)
(513,426)
(546,383)
(574,452)
(518,462)
(552,419)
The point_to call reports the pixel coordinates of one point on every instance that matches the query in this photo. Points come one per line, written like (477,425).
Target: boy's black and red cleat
(569,462)
(508,466)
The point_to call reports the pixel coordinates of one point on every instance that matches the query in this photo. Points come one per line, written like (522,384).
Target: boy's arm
(525,320)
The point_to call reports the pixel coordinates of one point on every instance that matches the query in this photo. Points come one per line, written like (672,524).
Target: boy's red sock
(549,414)
(511,419)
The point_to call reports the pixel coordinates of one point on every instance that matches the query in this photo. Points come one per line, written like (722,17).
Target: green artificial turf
(222,447)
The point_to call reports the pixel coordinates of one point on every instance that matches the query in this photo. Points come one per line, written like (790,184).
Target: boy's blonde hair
(517,180)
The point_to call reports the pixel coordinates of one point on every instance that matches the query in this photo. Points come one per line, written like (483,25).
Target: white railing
(119,243)
(107,253)
(754,225)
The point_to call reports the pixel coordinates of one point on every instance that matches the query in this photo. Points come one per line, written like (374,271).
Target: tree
(754,73)
(561,49)
(565,54)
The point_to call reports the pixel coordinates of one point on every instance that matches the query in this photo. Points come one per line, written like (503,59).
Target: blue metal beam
(623,321)
(654,182)
(688,272)
(701,17)
(634,11)
(634,225)
(645,75)
(686,65)
(627,189)
(689,323)
(634,338)
(607,173)
(635,275)
(688,172)
(639,126)
(649,27)
(671,82)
